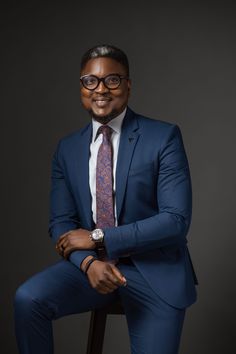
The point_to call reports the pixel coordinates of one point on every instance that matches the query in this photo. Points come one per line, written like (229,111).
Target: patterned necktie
(104,180)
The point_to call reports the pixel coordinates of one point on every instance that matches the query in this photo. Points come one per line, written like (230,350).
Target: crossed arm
(104,276)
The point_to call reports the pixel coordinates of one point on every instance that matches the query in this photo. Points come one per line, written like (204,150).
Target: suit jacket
(153,199)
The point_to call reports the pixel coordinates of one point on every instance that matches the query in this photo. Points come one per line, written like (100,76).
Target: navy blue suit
(153,199)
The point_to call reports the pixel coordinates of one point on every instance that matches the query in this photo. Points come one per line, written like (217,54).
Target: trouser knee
(26,304)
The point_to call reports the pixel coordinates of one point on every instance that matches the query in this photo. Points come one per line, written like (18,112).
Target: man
(120,213)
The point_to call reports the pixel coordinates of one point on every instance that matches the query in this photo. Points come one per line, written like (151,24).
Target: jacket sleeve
(174,199)
(63,213)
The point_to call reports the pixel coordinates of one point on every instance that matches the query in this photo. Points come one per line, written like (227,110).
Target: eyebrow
(102,76)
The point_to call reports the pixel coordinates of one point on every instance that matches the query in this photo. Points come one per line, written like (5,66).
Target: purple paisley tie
(104,180)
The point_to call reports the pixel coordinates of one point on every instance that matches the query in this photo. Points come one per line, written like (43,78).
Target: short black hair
(105,51)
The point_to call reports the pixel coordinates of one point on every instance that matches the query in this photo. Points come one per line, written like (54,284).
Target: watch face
(97,235)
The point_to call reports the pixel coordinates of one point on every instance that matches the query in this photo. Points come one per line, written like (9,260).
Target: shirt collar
(115,124)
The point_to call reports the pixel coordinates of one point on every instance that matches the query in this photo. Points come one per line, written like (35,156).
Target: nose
(101,88)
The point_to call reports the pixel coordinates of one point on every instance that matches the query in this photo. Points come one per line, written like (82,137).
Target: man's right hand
(105,277)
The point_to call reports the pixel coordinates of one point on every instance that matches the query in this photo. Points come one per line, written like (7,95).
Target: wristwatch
(97,236)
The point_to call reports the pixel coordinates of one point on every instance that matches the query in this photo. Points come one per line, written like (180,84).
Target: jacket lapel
(83,174)
(128,140)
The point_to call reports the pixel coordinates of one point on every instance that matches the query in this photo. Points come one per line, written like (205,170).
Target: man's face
(102,103)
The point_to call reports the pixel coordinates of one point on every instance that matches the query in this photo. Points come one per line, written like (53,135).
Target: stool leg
(96,332)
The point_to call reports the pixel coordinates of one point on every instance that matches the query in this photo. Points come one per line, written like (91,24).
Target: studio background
(182,59)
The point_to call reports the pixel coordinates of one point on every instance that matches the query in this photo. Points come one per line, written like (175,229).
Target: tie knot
(106,131)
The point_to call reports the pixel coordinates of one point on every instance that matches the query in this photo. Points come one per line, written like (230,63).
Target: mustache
(102,96)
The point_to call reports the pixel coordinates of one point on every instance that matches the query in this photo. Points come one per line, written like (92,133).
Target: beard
(104,119)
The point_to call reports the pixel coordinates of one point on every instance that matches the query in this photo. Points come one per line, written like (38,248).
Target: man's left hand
(78,239)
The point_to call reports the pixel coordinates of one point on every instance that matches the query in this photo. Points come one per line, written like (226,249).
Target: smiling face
(102,103)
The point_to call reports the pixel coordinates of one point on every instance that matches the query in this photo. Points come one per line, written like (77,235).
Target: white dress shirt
(115,124)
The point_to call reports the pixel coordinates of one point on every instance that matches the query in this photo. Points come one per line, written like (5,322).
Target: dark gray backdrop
(182,61)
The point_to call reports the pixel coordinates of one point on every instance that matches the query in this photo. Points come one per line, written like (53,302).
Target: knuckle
(102,282)
(105,273)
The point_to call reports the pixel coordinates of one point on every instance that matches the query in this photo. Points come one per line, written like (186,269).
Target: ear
(129,86)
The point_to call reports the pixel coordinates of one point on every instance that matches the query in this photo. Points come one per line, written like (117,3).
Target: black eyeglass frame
(99,79)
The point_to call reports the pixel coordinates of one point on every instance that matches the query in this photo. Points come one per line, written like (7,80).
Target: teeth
(101,103)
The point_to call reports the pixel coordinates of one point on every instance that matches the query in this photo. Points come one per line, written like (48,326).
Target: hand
(78,239)
(105,277)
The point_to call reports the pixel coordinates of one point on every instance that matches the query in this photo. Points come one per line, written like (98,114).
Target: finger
(112,284)
(61,249)
(122,280)
(58,251)
(109,277)
(58,244)
(65,243)
(105,289)
(113,279)
(62,241)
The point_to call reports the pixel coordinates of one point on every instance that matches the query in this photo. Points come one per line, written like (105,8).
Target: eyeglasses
(111,81)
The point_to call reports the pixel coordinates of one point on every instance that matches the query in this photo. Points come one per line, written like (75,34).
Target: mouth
(101,101)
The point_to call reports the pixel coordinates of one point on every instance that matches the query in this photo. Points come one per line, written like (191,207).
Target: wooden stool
(97,326)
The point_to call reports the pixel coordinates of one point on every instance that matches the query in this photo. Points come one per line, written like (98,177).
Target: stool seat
(98,324)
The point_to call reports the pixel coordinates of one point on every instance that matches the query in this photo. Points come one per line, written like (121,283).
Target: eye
(112,80)
(89,80)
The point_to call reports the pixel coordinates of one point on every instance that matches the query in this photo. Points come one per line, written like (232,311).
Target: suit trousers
(62,289)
